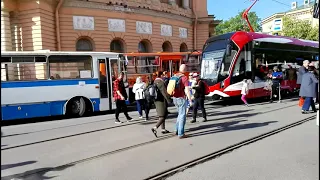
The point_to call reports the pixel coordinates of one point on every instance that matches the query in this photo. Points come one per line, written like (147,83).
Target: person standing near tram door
(199,96)
(276,79)
(120,96)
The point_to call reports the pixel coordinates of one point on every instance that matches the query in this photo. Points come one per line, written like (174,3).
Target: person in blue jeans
(308,90)
(180,101)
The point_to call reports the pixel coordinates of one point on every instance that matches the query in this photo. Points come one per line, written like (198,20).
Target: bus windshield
(211,64)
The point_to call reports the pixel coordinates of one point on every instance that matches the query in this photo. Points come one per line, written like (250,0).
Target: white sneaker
(140,117)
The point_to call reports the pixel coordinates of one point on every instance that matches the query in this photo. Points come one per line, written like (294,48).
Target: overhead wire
(281,3)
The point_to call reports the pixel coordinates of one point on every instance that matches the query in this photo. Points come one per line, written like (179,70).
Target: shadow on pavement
(233,117)
(222,124)
(226,113)
(36,174)
(229,127)
(8,166)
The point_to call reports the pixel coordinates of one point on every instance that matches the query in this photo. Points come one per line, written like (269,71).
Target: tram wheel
(76,107)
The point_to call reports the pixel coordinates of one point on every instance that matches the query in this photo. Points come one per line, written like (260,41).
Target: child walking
(244,91)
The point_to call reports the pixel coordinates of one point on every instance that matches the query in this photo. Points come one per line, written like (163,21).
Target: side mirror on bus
(228,50)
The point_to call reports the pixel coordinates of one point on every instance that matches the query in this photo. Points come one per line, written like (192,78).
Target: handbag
(301,102)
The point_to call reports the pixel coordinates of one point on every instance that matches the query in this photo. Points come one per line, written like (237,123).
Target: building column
(185,4)
(6,41)
(172,2)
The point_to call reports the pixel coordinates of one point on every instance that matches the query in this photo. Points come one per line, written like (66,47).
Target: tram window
(70,67)
(153,62)
(131,65)
(239,71)
(226,63)
(175,66)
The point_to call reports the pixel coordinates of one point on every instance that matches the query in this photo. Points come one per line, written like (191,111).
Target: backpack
(173,84)
(206,88)
(150,92)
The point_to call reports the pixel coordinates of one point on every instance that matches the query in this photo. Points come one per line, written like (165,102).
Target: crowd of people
(188,93)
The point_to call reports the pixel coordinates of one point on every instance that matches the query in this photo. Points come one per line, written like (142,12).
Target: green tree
(301,29)
(238,24)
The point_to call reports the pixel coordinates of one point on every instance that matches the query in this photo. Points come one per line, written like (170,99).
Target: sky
(264,8)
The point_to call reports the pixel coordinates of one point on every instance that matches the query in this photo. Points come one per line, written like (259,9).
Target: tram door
(105,84)
(166,67)
(175,64)
(172,66)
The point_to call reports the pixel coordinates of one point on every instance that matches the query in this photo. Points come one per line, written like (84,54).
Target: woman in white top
(138,90)
(245,90)
(192,83)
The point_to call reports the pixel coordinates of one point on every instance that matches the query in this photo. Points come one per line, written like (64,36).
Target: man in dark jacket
(199,97)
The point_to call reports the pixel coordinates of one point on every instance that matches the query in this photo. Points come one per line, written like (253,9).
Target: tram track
(170,135)
(74,125)
(209,104)
(180,168)
(5,148)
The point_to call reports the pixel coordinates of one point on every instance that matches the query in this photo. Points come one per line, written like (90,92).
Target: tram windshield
(216,62)
(211,64)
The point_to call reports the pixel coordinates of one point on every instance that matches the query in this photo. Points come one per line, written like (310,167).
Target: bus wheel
(76,107)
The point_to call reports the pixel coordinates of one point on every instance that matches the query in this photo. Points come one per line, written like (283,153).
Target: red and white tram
(229,58)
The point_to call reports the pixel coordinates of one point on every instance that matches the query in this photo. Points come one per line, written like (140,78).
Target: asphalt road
(39,147)
(290,155)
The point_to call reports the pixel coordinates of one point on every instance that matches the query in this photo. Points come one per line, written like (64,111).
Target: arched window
(183,47)
(84,44)
(144,46)
(117,45)
(167,47)
(179,3)
(164,1)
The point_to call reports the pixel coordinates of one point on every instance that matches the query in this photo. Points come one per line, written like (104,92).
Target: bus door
(105,84)
(122,67)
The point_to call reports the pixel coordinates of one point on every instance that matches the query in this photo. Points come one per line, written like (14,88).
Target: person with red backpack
(201,89)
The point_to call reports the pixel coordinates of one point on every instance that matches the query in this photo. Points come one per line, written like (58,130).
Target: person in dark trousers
(199,97)
(149,100)
(120,96)
(138,90)
(160,103)
(308,90)
(276,80)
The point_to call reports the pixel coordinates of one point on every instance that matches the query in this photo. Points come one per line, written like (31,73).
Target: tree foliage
(301,29)
(238,24)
